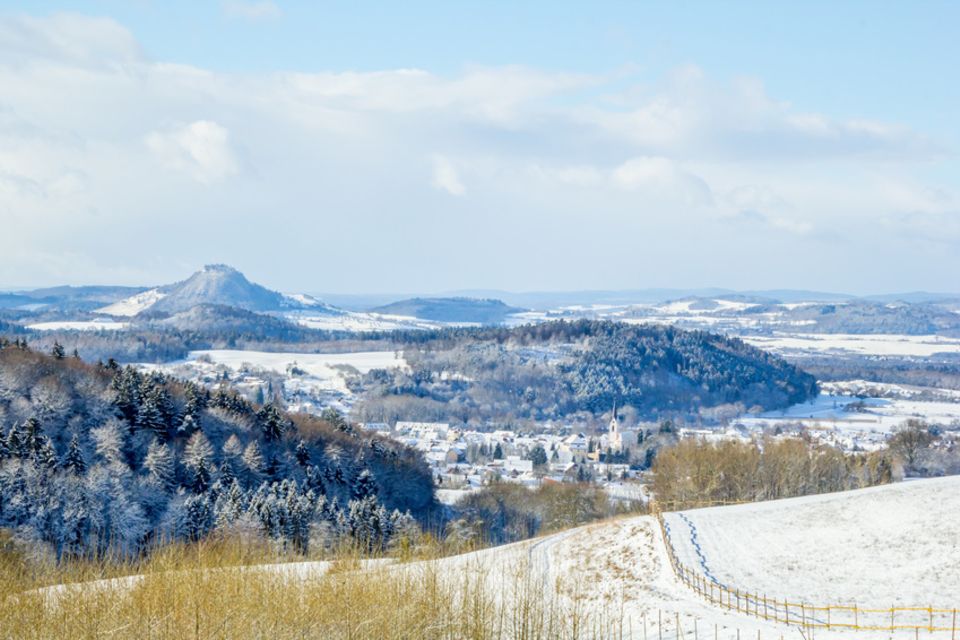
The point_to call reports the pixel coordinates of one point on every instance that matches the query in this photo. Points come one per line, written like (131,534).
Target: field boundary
(803,614)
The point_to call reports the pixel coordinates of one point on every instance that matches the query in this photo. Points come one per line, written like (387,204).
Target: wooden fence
(806,615)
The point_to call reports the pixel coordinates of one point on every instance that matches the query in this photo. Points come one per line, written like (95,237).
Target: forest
(103,459)
(555,370)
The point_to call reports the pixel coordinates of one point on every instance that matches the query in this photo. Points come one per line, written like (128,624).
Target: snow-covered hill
(877,547)
(892,545)
(216,284)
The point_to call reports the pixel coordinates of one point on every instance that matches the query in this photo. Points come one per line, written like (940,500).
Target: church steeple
(614,437)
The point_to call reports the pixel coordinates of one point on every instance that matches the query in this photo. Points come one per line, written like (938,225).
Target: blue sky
(347,146)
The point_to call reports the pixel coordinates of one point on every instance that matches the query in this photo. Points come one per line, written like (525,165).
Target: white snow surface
(892,545)
(844,412)
(80,325)
(325,369)
(355,321)
(134,304)
(867,344)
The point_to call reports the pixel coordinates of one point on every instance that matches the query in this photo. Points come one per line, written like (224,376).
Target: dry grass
(217,591)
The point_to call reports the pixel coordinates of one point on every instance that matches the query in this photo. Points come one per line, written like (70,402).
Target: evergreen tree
(230,505)
(302,454)
(150,418)
(58,351)
(74,461)
(365,486)
(272,423)
(538,456)
(498,452)
(44,455)
(198,516)
(197,399)
(201,477)
(17,440)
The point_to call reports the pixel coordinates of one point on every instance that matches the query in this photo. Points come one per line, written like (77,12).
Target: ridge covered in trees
(552,370)
(108,459)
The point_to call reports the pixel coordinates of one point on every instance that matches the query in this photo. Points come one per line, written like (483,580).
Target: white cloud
(662,176)
(563,157)
(76,39)
(251,10)
(201,149)
(446,177)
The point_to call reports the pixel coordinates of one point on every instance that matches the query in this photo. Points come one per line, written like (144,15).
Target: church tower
(614,437)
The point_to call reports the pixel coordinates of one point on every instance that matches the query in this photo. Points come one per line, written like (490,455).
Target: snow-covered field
(886,546)
(319,365)
(871,345)
(851,414)
(311,381)
(80,325)
(352,321)
(894,545)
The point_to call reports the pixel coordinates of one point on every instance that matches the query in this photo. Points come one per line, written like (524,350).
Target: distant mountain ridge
(215,284)
(451,310)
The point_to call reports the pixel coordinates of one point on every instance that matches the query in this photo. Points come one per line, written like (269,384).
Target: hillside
(96,457)
(215,284)
(552,370)
(452,310)
(888,545)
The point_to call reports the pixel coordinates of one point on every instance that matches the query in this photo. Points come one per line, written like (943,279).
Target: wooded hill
(553,370)
(97,459)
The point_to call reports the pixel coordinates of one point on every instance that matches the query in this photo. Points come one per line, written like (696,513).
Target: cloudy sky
(384,146)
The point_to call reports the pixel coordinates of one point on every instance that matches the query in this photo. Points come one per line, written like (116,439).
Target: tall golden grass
(221,590)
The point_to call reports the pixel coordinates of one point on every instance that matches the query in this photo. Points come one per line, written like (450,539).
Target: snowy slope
(133,305)
(880,546)
(894,545)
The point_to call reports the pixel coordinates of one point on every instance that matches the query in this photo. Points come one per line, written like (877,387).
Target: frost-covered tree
(160,464)
(109,442)
(74,461)
(150,418)
(271,421)
(198,449)
(198,516)
(365,485)
(200,476)
(253,462)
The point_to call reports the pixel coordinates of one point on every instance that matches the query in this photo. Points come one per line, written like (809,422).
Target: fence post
(828,618)
(660,623)
(953,627)
(786,611)
(856,617)
(765,606)
(892,625)
(677,623)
